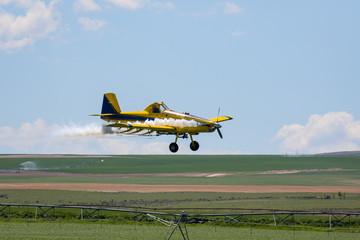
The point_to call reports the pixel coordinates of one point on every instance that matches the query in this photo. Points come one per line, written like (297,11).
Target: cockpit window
(155,109)
(163,107)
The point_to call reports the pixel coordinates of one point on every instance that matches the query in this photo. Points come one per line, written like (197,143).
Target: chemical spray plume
(74,130)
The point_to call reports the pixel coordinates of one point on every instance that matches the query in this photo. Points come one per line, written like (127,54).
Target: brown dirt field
(97,187)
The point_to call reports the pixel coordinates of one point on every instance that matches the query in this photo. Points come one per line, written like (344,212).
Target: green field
(189,200)
(70,230)
(183,163)
(244,169)
(349,178)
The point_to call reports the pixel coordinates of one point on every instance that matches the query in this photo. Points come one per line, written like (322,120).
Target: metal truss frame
(179,221)
(2,210)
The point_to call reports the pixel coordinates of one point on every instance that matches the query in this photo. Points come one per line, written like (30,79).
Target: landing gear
(173,147)
(194,145)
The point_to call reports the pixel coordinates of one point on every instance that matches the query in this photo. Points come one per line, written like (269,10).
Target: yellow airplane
(158,118)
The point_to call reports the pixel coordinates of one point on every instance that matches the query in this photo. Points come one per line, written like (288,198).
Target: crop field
(73,230)
(19,174)
(185,170)
(131,164)
(194,183)
(217,202)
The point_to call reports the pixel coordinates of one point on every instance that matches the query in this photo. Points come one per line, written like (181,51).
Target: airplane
(158,118)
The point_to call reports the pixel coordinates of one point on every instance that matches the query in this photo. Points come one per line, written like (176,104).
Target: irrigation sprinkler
(179,221)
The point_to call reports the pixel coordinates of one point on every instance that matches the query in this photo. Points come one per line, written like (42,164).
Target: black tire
(194,145)
(173,147)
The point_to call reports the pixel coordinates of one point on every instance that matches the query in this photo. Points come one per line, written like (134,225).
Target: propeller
(218,126)
(220,134)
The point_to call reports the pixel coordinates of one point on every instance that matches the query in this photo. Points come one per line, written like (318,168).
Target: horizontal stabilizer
(105,114)
(221,119)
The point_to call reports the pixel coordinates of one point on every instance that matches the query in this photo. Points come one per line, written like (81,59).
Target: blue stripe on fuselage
(122,117)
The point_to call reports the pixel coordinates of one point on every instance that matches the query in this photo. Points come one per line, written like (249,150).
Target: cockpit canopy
(157,107)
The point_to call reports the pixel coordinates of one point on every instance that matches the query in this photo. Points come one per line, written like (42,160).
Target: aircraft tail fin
(110,104)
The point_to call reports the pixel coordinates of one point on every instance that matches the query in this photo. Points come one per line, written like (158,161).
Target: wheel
(194,145)
(173,147)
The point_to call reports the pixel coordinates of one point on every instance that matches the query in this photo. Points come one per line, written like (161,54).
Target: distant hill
(344,153)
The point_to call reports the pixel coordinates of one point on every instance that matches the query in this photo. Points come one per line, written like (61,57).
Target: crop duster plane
(158,118)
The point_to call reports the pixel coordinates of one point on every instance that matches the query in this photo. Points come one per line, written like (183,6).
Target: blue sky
(287,71)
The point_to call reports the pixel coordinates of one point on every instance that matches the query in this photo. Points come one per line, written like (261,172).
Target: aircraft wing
(221,119)
(143,126)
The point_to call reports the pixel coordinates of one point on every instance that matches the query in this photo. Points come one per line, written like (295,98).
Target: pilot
(156,109)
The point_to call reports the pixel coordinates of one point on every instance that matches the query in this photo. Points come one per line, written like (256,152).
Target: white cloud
(129,4)
(137,4)
(91,25)
(231,8)
(331,132)
(86,6)
(219,8)
(156,147)
(18,31)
